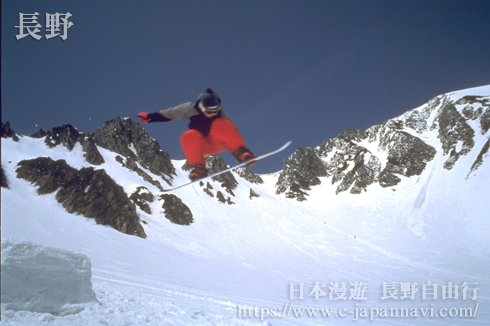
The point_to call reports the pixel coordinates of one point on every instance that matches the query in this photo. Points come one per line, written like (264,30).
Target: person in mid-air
(211,131)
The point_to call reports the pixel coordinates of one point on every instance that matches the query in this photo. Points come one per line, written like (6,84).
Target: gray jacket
(186,111)
(191,111)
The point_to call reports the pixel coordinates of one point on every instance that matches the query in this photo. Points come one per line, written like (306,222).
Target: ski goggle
(212,108)
(209,111)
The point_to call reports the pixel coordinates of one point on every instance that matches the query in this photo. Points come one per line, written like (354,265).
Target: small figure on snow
(211,131)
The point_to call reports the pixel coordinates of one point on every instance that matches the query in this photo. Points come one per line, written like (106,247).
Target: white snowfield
(414,254)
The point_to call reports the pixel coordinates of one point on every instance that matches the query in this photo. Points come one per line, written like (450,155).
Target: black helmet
(210,100)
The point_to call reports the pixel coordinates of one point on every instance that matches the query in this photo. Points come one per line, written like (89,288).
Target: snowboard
(283,147)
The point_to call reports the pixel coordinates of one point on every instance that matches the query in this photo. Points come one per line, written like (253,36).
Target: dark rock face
(453,129)
(301,171)
(141,197)
(122,136)
(253,194)
(249,176)
(222,199)
(45,173)
(348,164)
(399,151)
(387,179)
(175,210)
(88,192)
(128,138)
(92,154)
(479,160)
(384,154)
(350,135)
(94,194)
(364,172)
(477,107)
(130,163)
(351,165)
(208,189)
(407,155)
(485,121)
(3,179)
(68,136)
(65,135)
(7,132)
(216,164)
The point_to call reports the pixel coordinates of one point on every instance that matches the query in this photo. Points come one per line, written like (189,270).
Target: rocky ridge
(92,192)
(88,192)
(396,149)
(448,126)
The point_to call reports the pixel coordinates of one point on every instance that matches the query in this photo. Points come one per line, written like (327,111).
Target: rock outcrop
(128,138)
(122,136)
(175,210)
(396,149)
(88,192)
(142,197)
(7,132)
(301,171)
(3,178)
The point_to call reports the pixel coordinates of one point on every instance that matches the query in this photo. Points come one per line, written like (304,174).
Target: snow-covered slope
(380,217)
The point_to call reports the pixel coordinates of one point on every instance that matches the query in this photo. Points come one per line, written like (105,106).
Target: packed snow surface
(417,253)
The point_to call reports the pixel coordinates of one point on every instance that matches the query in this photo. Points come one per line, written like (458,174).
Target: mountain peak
(128,138)
(450,132)
(451,124)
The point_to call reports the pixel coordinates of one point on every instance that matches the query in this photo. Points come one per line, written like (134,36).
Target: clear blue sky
(286,70)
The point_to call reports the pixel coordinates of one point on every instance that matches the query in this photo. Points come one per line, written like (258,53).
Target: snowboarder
(211,131)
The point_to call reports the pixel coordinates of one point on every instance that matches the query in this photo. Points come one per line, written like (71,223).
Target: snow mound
(44,279)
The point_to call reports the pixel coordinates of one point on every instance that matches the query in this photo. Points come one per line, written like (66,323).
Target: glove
(144,116)
(152,117)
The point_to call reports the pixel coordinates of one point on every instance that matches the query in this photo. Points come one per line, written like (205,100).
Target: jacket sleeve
(182,111)
(156,117)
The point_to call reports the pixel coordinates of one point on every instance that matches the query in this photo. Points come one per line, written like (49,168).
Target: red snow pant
(222,135)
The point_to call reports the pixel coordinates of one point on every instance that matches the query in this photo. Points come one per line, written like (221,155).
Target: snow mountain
(372,220)
(402,147)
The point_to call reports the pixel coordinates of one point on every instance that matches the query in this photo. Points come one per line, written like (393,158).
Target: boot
(243,155)
(198,172)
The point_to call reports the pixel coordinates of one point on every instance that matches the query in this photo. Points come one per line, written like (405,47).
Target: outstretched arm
(182,111)
(152,117)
